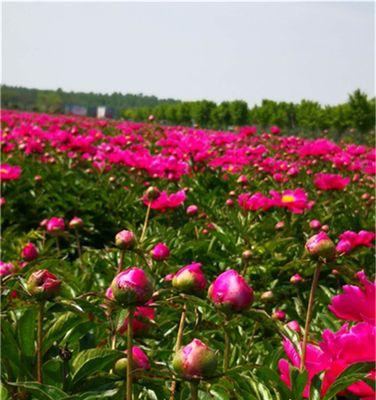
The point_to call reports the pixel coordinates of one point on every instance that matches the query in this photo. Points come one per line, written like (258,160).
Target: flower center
(288,198)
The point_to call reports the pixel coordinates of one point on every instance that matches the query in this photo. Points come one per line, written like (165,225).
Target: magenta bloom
(349,240)
(356,303)
(190,279)
(55,225)
(165,201)
(29,252)
(275,130)
(279,314)
(294,326)
(231,292)
(196,360)
(43,284)
(131,287)
(254,202)
(6,269)
(330,181)
(295,200)
(160,252)
(296,279)
(315,224)
(9,172)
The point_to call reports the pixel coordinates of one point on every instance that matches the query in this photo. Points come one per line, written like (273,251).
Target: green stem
(179,340)
(194,390)
(79,251)
(309,315)
(129,356)
(121,261)
(145,223)
(226,354)
(58,246)
(40,341)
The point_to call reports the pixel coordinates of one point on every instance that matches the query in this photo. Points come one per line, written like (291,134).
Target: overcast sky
(218,51)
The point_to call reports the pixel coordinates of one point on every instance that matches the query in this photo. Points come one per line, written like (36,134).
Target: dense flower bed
(231,265)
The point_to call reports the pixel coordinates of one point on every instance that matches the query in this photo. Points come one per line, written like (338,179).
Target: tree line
(55,101)
(358,112)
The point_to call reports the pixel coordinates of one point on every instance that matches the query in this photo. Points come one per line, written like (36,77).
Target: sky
(218,51)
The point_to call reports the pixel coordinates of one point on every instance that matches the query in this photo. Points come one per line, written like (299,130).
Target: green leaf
(26,332)
(40,391)
(349,376)
(298,382)
(315,387)
(4,395)
(90,361)
(59,329)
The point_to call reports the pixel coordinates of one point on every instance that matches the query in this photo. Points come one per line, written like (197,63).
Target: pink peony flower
(275,130)
(279,315)
(9,172)
(29,252)
(76,223)
(320,245)
(231,292)
(165,201)
(141,321)
(192,210)
(356,303)
(349,240)
(294,326)
(295,200)
(330,181)
(295,279)
(315,224)
(160,252)
(125,240)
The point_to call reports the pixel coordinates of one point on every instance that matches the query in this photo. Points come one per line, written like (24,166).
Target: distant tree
(238,112)
(361,112)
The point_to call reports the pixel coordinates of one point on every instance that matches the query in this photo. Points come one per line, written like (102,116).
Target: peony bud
(76,223)
(279,225)
(29,252)
(151,193)
(125,240)
(320,245)
(242,179)
(139,361)
(295,279)
(43,285)
(325,228)
(190,279)
(55,226)
(315,224)
(192,210)
(195,361)
(131,287)
(160,252)
(229,202)
(279,315)
(230,292)
(294,326)
(6,269)
(141,321)
(267,296)
(246,255)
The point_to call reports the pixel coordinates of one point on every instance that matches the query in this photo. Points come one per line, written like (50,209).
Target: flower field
(231,265)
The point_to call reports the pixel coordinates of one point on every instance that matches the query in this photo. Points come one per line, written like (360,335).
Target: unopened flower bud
(320,245)
(125,240)
(43,285)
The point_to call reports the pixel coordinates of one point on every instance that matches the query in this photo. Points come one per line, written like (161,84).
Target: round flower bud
(279,315)
(230,292)
(151,193)
(76,223)
(315,224)
(295,279)
(195,361)
(320,245)
(294,326)
(279,225)
(6,269)
(131,287)
(267,296)
(192,210)
(29,252)
(139,361)
(247,255)
(190,279)
(55,226)
(43,285)
(229,202)
(141,321)
(125,240)
(160,252)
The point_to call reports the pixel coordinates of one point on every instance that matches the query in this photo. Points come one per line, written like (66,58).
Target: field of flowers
(231,265)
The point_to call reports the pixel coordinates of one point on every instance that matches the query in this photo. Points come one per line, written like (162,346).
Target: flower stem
(145,223)
(40,341)
(129,356)
(179,340)
(121,261)
(58,246)
(79,251)
(309,315)
(226,354)
(194,390)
